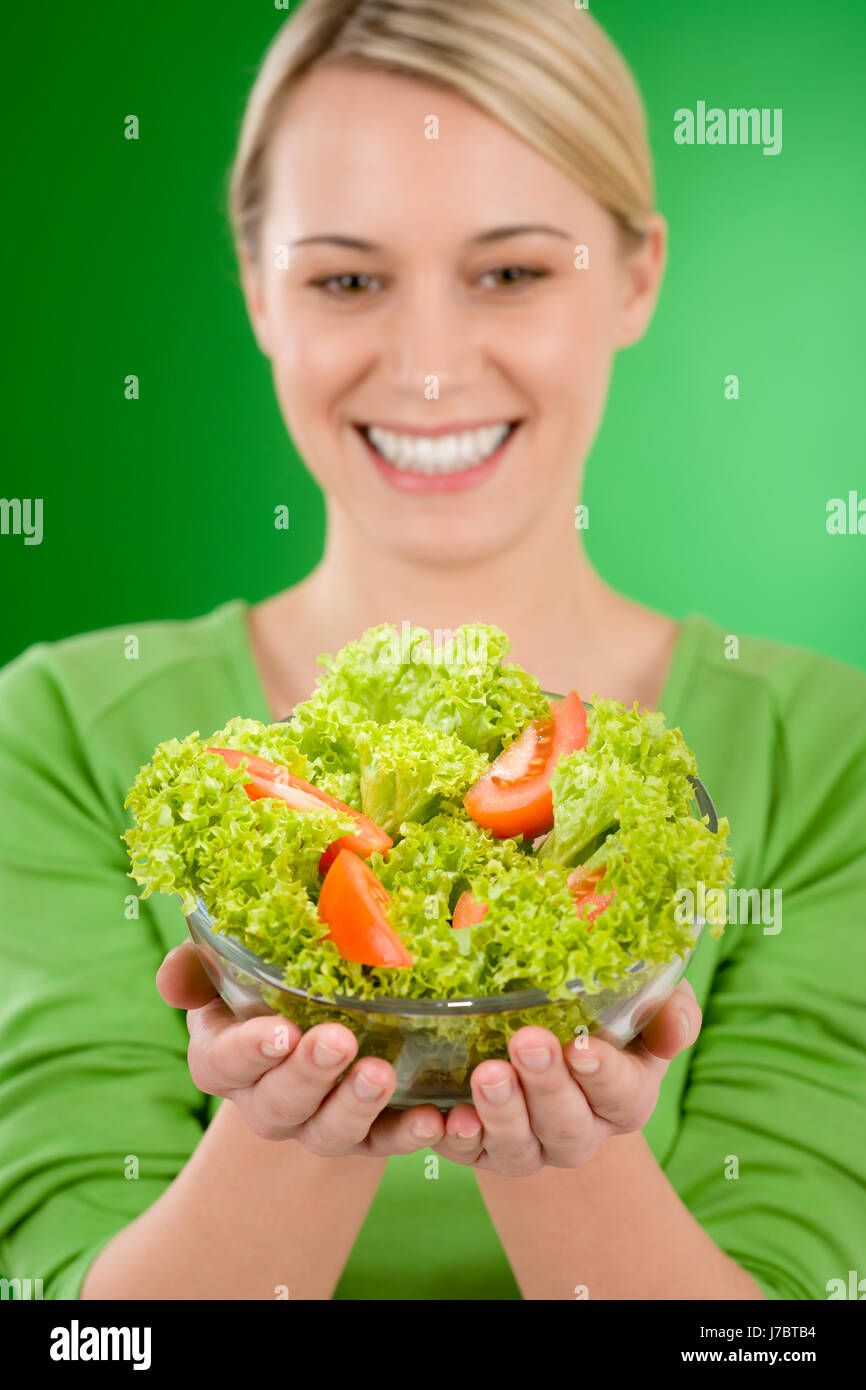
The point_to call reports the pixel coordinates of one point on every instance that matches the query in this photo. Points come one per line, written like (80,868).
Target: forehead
(358,144)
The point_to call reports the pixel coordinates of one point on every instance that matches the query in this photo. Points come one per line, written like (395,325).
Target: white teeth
(449,453)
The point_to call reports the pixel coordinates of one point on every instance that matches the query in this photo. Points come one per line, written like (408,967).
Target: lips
(443,459)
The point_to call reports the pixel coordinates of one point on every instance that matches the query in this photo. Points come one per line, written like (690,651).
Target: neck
(565,624)
(542,584)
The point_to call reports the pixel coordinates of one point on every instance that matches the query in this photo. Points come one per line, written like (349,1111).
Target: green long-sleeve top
(759,1127)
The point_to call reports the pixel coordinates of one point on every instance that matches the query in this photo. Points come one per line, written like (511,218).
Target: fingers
(182,979)
(559,1113)
(510,1144)
(622,1085)
(290,1093)
(225,1055)
(342,1122)
(463,1140)
(405,1131)
(667,1033)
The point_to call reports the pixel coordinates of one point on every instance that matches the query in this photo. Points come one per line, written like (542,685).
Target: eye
(514,275)
(351,285)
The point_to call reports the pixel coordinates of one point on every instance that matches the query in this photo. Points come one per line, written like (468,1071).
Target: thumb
(676,1025)
(182,979)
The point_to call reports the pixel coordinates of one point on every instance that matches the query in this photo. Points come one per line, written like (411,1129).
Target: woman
(446,229)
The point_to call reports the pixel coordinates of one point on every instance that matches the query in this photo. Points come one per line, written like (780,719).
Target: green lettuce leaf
(631,766)
(324,736)
(407,769)
(197,832)
(443,855)
(254,864)
(271,741)
(647,863)
(459,685)
(441,968)
(531,936)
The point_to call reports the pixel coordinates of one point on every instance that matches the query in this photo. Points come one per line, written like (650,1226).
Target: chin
(446,547)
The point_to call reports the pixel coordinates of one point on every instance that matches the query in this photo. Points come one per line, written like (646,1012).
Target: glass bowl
(434,1044)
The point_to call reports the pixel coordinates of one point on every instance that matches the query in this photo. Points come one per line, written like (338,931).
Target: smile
(429,454)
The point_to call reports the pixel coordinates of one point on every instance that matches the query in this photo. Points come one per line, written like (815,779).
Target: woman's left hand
(549,1109)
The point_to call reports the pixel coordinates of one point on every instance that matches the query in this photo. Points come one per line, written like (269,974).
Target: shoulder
(802,687)
(98,678)
(793,721)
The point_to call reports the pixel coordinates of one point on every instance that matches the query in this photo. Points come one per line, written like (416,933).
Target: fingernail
(585,1066)
(498,1092)
(421,1130)
(364,1089)
(685,1025)
(535,1058)
(467,1134)
(327,1056)
(268,1050)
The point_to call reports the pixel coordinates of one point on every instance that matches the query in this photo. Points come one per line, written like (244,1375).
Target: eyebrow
(496,234)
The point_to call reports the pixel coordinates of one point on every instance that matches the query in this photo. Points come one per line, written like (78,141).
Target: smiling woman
(446,229)
(434,355)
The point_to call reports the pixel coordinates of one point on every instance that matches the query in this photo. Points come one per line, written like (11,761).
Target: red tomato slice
(593,905)
(583,885)
(259,787)
(233,757)
(353,902)
(467,911)
(513,797)
(270,780)
(583,881)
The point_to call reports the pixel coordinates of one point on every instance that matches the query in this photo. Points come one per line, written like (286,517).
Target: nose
(432,342)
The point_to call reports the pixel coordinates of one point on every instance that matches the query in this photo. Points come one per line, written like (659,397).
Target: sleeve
(97,1108)
(770,1156)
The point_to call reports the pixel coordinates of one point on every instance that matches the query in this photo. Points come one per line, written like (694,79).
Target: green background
(118,260)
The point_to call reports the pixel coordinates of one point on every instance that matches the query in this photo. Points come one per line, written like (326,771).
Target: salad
(430,824)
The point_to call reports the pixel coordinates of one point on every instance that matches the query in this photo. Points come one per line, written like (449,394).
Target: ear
(642,274)
(251,280)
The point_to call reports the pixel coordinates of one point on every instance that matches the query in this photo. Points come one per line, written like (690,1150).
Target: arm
(614,1227)
(762,1192)
(106,1176)
(243,1219)
(272,1199)
(580,1203)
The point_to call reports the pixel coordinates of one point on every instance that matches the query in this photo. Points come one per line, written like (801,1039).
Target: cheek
(311,351)
(564,357)
(313,366)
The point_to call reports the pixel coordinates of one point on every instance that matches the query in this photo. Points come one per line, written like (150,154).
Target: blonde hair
(543,68)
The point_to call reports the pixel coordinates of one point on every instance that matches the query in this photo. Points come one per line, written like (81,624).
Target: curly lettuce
(271,741)
(631,766)
(456,681)
(647,863)
(407,769)
(443,855)
(400,734)
(197,833)
(324,736)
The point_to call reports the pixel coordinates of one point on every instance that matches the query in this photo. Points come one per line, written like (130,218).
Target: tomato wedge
(268,779)
(583,885)
(513,797)
(353,902)
(467,911)
(260,767)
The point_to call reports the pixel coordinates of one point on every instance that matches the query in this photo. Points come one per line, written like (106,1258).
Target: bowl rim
(227,946)
(230,949)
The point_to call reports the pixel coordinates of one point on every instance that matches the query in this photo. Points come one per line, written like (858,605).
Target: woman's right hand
(290,1092)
